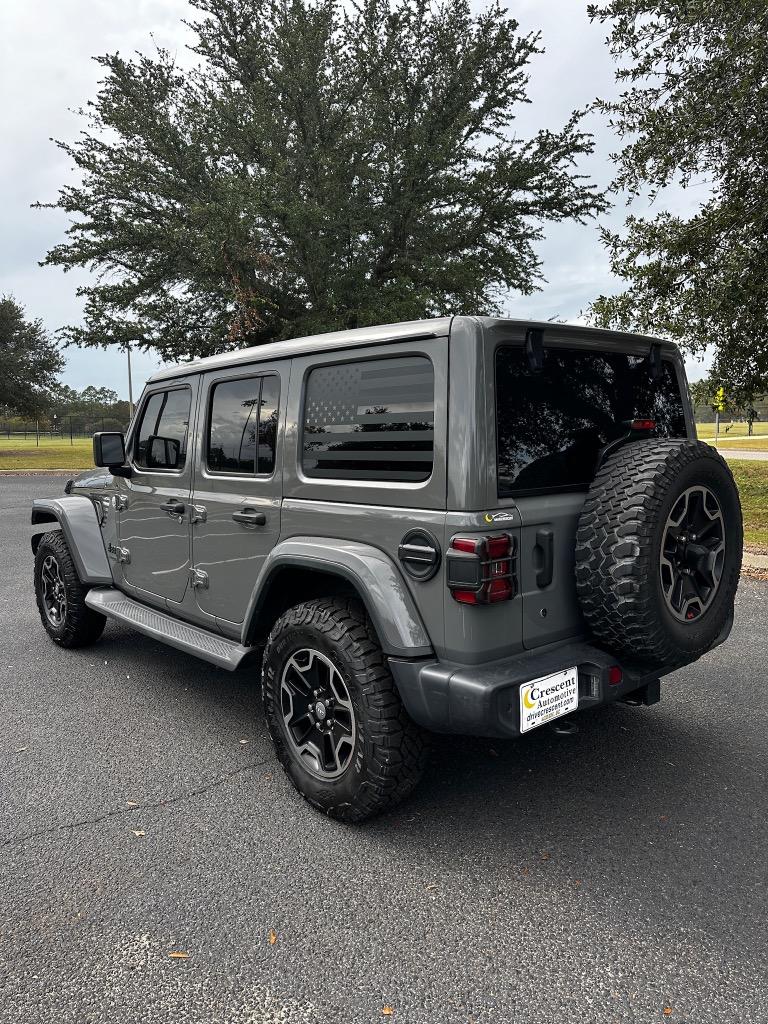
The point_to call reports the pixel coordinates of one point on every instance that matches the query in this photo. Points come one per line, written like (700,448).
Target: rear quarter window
(370,419)
(552,424)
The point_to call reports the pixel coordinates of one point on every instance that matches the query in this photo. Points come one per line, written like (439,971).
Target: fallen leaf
(132,803)
(387,1011)
(664,817)
(138,833)
(577,882)
(667,1011)
(272,937)
(524,871)
(432,885)
(243,741)
(178,955)
(546,856)
(21,750)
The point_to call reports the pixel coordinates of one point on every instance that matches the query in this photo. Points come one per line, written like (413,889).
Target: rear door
(552,424)
(154,501)
(238,484)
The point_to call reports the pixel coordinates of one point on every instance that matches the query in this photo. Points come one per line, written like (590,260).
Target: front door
(154,502)
(238,485)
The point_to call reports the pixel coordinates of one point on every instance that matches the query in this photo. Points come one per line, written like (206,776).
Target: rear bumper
(483,700)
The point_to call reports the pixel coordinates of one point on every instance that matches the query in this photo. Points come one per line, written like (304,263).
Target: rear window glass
(370,420)
(552,424)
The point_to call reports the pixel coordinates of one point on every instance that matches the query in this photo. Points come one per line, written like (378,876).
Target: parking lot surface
(617,875)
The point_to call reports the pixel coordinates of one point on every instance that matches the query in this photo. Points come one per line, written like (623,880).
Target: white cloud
(46,72)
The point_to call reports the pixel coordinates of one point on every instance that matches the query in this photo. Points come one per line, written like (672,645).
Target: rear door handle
(173,506)
(250,517)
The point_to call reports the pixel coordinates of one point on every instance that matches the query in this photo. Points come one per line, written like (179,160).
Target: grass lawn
(730,430)
(16,453)
(752,481)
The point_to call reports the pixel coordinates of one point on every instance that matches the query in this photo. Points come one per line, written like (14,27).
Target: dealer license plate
(543,700)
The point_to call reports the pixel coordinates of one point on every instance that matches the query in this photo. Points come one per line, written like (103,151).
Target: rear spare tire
(658,551)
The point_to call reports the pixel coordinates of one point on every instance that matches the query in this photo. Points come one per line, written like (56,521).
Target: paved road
(740,453)
(601,877)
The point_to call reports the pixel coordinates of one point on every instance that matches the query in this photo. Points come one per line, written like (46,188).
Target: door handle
(545,556)
(250,517)
(173,506)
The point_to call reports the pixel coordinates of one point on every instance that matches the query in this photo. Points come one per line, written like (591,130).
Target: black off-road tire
(389,751)
(618,548)
(79,625)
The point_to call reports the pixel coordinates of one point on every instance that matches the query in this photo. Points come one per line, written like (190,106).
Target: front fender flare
(77,517)
(373,575)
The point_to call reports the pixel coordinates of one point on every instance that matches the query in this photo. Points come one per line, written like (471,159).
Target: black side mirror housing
(109,451)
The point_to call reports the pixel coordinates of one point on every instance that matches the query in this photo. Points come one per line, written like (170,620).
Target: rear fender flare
(370,571)
(76,516)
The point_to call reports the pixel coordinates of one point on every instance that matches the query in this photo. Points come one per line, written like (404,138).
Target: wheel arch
(303,568)
(76,517)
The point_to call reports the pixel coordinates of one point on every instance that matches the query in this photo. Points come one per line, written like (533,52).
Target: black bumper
(483,700)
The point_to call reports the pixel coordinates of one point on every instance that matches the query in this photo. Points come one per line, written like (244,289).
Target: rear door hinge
(198,578)
(199,514)
(123,555)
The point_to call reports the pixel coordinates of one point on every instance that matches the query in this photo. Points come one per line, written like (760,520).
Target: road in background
(603,877)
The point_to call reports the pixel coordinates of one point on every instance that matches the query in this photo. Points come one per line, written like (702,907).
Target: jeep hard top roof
(439,327)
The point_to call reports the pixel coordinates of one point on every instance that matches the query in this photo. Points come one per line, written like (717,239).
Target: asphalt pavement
(619,875)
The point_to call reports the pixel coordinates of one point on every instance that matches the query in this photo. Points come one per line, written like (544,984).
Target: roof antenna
(534,348)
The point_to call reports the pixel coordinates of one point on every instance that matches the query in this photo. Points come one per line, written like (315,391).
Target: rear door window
(552,424)
(242,426)
(372,419)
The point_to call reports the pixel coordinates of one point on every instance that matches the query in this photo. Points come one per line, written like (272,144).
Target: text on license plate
(543,700)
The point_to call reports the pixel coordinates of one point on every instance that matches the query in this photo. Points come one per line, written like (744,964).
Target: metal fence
(65,431)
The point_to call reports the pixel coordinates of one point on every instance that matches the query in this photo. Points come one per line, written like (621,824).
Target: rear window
(552,424)
(371,419)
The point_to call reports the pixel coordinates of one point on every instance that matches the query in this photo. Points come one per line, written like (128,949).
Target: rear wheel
(60,595)
(339,728)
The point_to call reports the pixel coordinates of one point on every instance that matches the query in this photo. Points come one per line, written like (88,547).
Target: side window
(161,440)
(370,420)
(242,426)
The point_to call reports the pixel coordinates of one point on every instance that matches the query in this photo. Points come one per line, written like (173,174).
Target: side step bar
(181,635)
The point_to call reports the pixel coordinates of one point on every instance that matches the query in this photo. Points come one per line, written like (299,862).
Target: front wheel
(334,714)
(60,595)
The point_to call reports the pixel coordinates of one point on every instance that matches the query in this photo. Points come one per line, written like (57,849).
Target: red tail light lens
(643,425)
(615,675)
(481,568)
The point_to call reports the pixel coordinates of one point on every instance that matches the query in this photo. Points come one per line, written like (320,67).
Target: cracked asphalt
(619,875)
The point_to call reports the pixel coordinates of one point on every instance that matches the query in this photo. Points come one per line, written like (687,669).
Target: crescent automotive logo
(530,704)
(505,516)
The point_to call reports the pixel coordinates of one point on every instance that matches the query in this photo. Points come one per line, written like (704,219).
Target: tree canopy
(693,112)
(29,361)
(322,166)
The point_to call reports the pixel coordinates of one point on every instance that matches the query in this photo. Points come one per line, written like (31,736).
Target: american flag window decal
(372,419)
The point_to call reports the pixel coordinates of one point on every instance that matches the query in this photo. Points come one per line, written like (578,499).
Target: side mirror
(109,451)
(163,452)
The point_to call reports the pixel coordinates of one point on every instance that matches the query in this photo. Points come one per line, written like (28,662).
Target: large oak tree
(694,112)
(324,165)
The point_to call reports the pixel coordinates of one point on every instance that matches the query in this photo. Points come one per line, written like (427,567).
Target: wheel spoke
(692,553)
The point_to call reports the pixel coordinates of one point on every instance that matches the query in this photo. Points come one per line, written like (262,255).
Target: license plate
(543,700)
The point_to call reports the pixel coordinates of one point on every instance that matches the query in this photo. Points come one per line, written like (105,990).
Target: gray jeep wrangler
(461,525)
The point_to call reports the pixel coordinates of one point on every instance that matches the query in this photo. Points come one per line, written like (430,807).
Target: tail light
(481,568)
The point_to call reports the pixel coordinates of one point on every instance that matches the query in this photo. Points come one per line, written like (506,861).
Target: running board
(181,635)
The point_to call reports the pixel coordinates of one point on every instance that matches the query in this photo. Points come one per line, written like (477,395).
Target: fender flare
(371,572)
(76,516)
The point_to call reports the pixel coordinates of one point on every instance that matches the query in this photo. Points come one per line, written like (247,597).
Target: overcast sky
(46,72)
